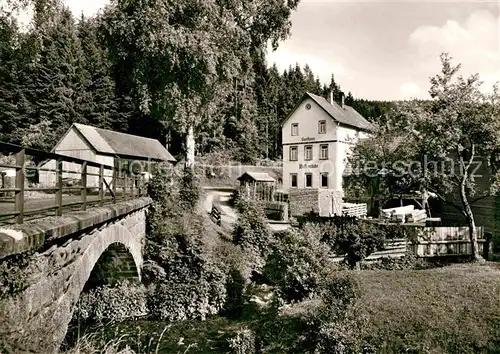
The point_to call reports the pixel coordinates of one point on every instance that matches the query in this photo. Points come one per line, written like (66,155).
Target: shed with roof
(106,147)
(256,177)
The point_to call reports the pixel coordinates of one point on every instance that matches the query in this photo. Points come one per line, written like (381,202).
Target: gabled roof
(108,142)
(257,176)
(344,115)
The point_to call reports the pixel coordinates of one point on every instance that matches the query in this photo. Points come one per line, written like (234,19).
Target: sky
(384,50)
(389,50)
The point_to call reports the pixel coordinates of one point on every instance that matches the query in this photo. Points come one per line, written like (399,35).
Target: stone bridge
(45,265)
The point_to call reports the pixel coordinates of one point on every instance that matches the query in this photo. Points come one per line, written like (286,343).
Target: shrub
(243,342)
(297,261)
(235,197)
(408,261)
(123,301)
(394,231)
(188,294)
(335,326)
(251,232)
(235,288)
(185,282)
(189,193)
(358,240)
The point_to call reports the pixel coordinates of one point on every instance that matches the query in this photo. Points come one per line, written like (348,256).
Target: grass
(454,309)
(143,336)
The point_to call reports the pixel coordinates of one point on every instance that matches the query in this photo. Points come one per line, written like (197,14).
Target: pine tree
(99,103)
(349,100)
(14,106)
(58,77)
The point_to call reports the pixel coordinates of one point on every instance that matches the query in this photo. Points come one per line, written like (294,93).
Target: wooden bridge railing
(123,184)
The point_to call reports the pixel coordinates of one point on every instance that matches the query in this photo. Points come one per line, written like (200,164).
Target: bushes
(186,266)
(251,232)
(334,326)
(188,294)
(189,193)
(409,261)
(328,322)
(356,239)
(243,342)
(235,287)
(123,301)
(296,262)
(186,282)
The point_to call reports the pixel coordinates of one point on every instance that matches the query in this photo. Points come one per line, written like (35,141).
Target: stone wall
(36,319)
(276,210)
(325,202)
(303,201)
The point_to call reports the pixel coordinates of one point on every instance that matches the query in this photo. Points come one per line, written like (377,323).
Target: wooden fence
(14,207)
(357,210)
(447,241)
(421,240)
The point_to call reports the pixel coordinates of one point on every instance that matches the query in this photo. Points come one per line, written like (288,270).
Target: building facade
(317,137)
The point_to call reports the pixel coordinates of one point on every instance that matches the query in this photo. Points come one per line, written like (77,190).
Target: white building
(103,146)
(317,136)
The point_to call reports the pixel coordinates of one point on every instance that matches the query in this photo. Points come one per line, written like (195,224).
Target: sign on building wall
(305,165)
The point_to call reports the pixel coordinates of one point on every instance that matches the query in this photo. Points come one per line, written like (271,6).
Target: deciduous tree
(183,54)
(439,144)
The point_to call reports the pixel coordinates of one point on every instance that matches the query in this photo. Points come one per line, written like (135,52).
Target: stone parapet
(34,235)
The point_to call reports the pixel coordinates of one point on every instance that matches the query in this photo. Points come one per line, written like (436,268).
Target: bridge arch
(111,239)
(37,319)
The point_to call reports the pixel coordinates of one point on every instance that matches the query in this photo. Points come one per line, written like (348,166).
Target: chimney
(331,97)
(342,99)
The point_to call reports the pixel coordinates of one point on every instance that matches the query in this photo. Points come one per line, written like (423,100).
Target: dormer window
(295,129)
(322,127)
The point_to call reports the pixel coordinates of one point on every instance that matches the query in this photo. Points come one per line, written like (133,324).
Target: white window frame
(295,129)
(306,148)
(296,180)
(321,149)
(322,124)
(296,149)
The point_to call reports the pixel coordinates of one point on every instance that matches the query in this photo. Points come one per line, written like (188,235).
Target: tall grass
(95,343)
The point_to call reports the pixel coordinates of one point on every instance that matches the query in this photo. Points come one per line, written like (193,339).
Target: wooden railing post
(19,202)
(125,175)
(114,180)
(101,185)
(59,194)
(139,184)
(136,185)
(132,182)
(84,186)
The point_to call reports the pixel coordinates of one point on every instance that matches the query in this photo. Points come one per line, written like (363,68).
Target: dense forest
(63,69)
